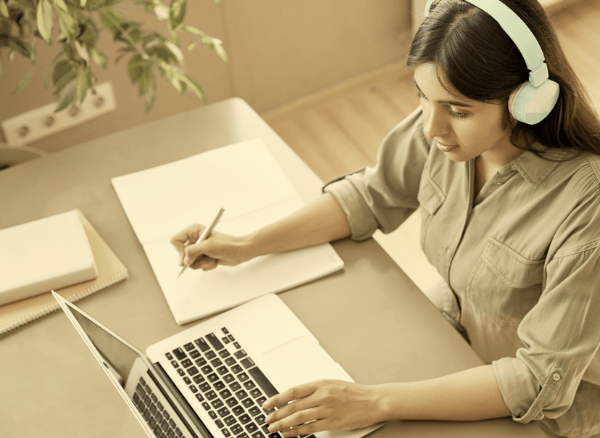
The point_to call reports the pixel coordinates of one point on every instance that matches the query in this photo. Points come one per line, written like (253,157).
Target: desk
(371,318)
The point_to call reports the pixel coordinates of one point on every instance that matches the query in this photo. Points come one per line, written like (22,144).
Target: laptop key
(179,353)
(235,386)
(210,354)
(225,432)
(218,403)
(230,361)
(189,346)
(224,412)
(212,414)
(228,378)
(238,410)
(219,386)
(251,427)
(210,395)
(225,340)
(213,378)
(180,372)
(222,370)
(230,420)
(255,393)
(201,362)
(215,342)
(241,394)
(199,378)
(199,397)
(247,402)
(260,419)
(194,354)
(206,369)
(224,353)
(216,362)
(192,371)
(239,354)
(249,385)
(244,418)
(247,362)
(206,406)
(258,434)
(231,402)
(202,345)
(204,387)
(236,428)
(224,330)
(263,382)
(186,363)
(242,377)
(254,411)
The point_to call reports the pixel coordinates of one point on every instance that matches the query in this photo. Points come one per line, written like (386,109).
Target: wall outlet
(43,121)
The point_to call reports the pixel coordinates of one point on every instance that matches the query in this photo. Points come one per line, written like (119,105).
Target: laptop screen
(118,355)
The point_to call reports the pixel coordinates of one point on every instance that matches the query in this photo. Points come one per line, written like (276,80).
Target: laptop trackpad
(297,362)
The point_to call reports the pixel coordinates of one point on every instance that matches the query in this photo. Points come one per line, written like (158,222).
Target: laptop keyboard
(153,411)
(228,384)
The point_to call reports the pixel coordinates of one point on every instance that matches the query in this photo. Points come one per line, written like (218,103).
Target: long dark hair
(473,53)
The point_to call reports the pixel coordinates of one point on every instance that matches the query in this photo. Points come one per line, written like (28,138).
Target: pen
(205,235)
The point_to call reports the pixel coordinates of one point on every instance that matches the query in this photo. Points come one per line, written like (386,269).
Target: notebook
(110,271)
(244,179)
(212,379)
(62,256)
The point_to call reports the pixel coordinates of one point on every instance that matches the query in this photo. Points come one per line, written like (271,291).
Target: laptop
(212,379)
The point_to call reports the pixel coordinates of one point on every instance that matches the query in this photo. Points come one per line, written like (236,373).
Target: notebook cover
(110,271)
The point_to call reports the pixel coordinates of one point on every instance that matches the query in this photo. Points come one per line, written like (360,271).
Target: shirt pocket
(430,199)
(503,285)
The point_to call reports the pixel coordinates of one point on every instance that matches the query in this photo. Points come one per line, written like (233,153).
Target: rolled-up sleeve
(561,333)
(384,196)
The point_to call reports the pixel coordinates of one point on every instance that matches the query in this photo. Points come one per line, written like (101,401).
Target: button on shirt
(522,257)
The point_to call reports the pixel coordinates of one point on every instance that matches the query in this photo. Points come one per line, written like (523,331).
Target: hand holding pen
(210,249)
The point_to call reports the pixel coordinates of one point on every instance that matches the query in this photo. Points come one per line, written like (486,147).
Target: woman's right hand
(217,249)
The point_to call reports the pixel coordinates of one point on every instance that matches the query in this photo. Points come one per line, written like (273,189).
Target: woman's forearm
(321,221)
(469,395)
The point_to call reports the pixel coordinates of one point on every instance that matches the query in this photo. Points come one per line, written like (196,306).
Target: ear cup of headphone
(531,105)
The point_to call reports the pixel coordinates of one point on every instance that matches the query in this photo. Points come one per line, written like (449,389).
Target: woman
(511,220)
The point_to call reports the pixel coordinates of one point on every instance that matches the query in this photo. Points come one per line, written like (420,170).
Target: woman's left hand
(324,405)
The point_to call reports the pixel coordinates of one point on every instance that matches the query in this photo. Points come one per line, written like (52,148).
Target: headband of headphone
(534,100)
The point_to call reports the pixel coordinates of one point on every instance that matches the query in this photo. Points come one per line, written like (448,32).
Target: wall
(279,51)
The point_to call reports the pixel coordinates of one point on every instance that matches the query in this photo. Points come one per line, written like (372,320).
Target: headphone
(533,100)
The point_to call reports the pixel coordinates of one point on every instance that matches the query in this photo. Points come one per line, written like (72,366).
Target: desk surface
(371,318)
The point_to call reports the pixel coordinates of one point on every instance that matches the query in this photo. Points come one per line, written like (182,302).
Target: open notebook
(249,184)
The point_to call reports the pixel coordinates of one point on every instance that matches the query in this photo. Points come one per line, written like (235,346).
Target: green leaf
(62,75)
(136,67)
(99,58)
(3,9)
(172,33)
(194,30)
(84,82)
(146,81)
(177,12)
(66,96)
(45,19)
(112,20)
(24,82)
(69,26)
(83,3)
(20,46)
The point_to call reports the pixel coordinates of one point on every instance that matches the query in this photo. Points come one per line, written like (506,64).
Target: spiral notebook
(110,271)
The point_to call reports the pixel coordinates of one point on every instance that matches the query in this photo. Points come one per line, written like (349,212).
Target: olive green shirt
(522,257)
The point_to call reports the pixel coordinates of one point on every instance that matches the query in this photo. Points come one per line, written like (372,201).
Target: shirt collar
(532,167)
